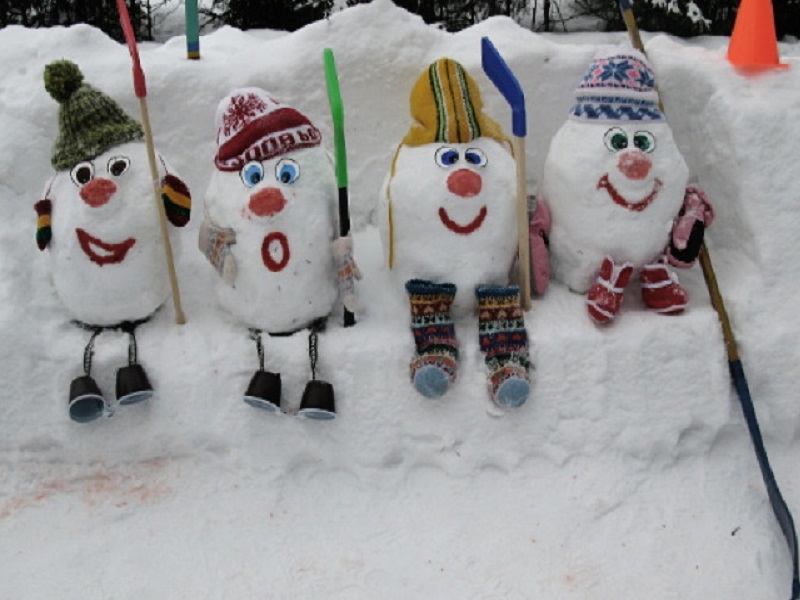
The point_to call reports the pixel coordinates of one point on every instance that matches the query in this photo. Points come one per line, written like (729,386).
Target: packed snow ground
(628,473)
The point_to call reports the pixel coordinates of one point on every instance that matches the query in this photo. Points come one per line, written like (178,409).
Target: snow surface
(628,474)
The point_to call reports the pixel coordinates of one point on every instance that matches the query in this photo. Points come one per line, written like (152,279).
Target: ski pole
(140,88)
(779,507)
(501,76)
(337,112)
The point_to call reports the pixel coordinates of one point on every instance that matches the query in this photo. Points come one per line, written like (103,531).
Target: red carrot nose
(267,202)
(464,183)
(98,192)
(634,164)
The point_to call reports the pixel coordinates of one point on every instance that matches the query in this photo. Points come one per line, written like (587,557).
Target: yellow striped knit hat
(447,108)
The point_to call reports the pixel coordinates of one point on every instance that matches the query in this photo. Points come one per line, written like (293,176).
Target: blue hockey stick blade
(499,72)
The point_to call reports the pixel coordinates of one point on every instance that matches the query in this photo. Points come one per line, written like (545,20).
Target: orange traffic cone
(753,42)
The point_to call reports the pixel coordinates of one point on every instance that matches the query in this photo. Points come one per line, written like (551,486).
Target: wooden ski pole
(140,88)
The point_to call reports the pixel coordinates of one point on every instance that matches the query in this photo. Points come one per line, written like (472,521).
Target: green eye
(616,139)
(644,141)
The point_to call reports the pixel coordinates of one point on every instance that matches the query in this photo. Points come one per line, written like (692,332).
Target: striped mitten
(434,365)
(504,341)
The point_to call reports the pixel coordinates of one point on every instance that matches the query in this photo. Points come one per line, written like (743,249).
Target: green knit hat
(89,122)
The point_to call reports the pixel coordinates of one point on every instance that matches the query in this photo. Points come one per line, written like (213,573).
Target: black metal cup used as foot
(264,391)
(133,386)
(318,401)
(86,401)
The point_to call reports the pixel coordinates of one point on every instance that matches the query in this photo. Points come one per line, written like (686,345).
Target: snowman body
(614,189)
(281,212)
(448,215)
(108,260)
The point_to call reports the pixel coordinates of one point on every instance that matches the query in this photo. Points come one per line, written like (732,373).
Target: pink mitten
(539,228)
(689,228)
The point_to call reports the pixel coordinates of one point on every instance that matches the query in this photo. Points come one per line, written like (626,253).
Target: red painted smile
(604,183)
(275,251)
(462,229)
(103,253)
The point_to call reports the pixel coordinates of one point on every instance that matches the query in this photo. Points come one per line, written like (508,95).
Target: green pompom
(62,78)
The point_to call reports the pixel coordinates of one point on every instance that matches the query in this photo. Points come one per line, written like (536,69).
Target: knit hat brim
(277,132)
(70,149)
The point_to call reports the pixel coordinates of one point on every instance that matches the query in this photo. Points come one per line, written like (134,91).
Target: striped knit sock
(434,365)
(504,340)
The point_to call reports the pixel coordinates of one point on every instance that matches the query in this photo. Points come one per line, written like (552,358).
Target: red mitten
(688,231)
(539,228)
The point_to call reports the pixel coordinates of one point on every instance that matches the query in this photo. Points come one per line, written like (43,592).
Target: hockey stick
(337,112)
(501,76)
(140,88)
(779,507)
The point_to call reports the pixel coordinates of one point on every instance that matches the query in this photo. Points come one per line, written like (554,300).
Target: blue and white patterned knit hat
(619,86)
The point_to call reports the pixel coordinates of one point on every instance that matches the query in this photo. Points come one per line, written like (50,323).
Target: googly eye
(252,173)
(644,141)
(287,171)
(117,165)
(475,156)
(82,173)
(446,157)
(616,139)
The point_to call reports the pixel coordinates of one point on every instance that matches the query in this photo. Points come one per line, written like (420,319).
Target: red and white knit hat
(252,125)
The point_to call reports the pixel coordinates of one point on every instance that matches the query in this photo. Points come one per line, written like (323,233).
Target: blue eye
(252,173)
(476,157)
(446,157)
(287,171)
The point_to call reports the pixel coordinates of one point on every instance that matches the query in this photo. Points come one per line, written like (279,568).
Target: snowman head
(453,169)
(616,149)
(269,159)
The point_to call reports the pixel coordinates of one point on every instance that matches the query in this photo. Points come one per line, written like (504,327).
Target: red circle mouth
(275,244)
(103,253)
(604,183)
(462,229)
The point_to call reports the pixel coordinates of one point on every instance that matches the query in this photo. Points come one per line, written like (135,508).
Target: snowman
(448,226)
(616,186)
(269,232)
(100,225)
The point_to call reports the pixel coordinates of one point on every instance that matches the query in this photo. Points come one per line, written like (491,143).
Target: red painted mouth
(604,183)
(103,253)
(275,251)
(462,229)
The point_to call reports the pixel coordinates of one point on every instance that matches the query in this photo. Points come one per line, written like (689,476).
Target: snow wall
(649,388)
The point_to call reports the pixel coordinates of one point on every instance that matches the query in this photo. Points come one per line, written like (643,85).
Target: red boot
(605,297)
(661,291)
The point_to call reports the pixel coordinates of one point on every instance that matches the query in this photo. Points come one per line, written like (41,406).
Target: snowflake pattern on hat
(623,72)
(619,87)
(241,110)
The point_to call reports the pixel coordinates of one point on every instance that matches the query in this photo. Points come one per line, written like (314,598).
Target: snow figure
(448,227)
(616,186)
(99,221)
(269,232)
